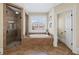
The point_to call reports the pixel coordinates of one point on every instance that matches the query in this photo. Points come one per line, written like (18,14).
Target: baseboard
(55,44)
(76,51)
(1,51)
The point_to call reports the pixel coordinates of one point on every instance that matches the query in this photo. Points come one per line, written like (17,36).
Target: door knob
(71,29)
(64,31)
(7,31)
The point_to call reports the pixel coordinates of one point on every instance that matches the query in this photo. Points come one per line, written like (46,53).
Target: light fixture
(17,12)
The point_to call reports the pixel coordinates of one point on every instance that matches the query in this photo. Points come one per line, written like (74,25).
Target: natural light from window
(39,23)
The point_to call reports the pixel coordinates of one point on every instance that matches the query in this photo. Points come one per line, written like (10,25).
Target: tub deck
(38,39)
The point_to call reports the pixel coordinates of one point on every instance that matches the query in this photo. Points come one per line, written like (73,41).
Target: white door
(68,28)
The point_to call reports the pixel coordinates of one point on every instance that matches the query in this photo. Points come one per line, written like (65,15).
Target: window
(39,23)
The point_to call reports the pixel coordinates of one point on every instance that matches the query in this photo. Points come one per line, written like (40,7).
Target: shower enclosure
(12,26)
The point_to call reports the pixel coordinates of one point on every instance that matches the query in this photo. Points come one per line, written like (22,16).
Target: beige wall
(1,28)
(1,25)
(77,26)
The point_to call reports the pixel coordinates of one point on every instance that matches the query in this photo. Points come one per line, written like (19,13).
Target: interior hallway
(35,24)
(31,49)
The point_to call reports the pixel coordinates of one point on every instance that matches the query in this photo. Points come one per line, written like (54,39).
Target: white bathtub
(39,36)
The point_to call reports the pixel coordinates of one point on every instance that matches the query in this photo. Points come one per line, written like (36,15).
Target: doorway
(65,28)
(26,24)
(12,29)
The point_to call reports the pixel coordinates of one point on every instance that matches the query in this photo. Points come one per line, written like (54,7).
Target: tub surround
(37,41)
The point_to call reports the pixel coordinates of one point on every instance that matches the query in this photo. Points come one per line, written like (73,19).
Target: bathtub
(38,39)
(39,35)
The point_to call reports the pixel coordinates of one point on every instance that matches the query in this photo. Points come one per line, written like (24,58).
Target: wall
(1,28)
(30,22)
(52,29)
(77,26)
(51,20)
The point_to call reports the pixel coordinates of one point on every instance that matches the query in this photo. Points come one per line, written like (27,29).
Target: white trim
(74,29)
(55,42)
(1,51)
(76,51)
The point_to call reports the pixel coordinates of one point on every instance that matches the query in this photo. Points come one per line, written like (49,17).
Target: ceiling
(37,7)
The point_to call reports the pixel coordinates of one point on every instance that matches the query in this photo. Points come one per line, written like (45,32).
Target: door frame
(71,43)
(74,17)
(5,23)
